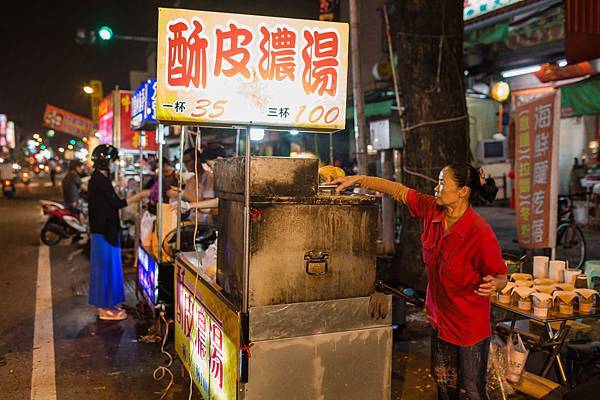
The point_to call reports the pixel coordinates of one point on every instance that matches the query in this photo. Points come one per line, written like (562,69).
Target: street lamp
(88,89)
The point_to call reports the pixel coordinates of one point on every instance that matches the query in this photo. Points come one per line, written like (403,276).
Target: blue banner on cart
(148,276)
(143,107)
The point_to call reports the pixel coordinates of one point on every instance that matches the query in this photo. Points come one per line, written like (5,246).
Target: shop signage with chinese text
(148,276)
(143,106)
(114,125)
(220,69)
(207,337)
(536,171)
(105,120)
(3,124)
(96,96)
(64,121)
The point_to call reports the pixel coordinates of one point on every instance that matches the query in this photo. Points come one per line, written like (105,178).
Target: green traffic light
(105,33)
(72,141)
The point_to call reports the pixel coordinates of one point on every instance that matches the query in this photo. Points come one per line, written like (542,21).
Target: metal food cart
(307,332)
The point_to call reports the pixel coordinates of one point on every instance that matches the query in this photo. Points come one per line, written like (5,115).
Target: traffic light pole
(136,38)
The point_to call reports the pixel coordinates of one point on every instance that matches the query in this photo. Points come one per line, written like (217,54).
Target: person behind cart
(107,289)
(200,193)
(464,268)
(169,179)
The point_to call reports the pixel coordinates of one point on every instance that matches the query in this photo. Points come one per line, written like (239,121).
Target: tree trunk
(428,35)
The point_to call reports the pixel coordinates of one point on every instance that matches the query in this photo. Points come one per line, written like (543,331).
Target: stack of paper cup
(571,275)
(557,270)
(540,267)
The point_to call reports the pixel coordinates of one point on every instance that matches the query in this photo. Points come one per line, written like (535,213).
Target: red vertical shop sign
(536,167)
(130,139)
(105,120)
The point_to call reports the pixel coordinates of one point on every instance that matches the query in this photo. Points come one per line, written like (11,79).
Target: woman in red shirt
(464,268)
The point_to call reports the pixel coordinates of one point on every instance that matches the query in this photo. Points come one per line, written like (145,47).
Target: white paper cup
(524,305)
(504,298)
(565,309)
(571,275)
(557,270)
(540,266)
(541,312)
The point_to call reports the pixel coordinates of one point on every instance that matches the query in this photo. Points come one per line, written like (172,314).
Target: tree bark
(428,35)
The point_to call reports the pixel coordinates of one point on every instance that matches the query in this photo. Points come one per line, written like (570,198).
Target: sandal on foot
(113,315)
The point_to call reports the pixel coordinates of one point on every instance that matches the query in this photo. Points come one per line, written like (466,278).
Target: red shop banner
(130,139)
(536,166)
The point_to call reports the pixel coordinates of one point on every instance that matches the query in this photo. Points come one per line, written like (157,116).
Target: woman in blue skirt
(107,290)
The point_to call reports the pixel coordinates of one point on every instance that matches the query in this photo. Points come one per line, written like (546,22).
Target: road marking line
(43,378)
(34,184)
(47,184)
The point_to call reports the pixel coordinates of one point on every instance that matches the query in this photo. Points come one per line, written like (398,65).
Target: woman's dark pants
(456,367)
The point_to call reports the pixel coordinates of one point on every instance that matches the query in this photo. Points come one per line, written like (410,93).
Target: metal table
(556,337)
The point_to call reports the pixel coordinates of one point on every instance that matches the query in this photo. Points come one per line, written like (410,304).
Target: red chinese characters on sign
(231,48)
(201,333)
(320,73)
(536,142)
(131,139)
(278,50)
(216,357)
(186,63)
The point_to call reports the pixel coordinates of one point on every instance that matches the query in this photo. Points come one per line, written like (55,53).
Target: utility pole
(360,125)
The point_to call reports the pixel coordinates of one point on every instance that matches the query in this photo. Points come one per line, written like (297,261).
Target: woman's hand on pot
(488,287)
(346,182)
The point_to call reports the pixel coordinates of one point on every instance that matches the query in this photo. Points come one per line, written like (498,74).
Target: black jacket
(104,205)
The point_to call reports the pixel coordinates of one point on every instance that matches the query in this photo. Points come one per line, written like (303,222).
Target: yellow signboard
(207,337)
(231,69)
(96,99)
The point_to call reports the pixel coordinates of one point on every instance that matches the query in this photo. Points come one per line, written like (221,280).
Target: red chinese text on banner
(536,171)
(130,139)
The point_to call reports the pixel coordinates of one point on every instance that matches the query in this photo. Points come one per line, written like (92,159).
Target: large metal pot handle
(316,263)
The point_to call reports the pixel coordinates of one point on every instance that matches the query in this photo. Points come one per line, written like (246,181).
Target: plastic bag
(497,386)
(517,357)
(146,227)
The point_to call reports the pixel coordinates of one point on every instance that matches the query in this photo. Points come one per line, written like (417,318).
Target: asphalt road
(93,359)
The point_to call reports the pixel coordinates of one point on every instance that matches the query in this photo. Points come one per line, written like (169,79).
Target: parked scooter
(62,223)
(8,188)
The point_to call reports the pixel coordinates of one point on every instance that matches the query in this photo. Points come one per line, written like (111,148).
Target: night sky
(41,63)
